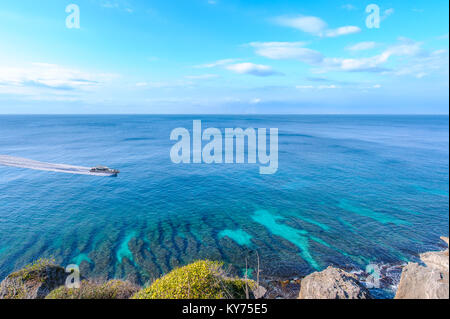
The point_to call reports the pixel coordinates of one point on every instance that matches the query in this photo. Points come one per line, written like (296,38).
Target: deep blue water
(350,190)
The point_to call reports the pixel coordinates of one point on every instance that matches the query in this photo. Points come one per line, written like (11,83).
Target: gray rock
(429,282)
(33,282)
(332,283)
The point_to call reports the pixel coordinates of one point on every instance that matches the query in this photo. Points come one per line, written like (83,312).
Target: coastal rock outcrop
(426,282)
(35,281)
(332,283)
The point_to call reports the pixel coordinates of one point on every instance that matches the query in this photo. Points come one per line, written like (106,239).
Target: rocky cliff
(332,283)
(33,282)
(428,281)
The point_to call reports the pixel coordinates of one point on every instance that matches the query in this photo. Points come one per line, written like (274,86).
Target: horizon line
(227,114)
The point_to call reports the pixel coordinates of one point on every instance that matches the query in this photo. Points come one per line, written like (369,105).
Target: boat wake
(12,161)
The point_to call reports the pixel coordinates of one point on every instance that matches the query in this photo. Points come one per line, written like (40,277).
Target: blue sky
(224,56)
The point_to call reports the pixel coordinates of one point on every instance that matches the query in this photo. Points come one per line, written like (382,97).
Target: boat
(104,170)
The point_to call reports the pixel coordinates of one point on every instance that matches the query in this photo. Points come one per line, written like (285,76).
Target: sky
(224,57)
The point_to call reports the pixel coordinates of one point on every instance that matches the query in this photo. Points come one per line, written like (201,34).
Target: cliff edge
(426,282)
(332,283)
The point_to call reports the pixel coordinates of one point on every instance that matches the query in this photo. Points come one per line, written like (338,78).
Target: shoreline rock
(332,283)
(426,282)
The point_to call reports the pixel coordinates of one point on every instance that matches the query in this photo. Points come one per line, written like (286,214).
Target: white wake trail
(6,160)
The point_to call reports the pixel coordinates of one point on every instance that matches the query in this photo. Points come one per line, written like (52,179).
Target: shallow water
(350,190)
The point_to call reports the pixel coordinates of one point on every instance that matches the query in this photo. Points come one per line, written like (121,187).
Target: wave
(381,278)
(12,161)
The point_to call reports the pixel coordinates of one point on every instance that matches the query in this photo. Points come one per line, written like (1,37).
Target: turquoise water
(239,236)
(350,190)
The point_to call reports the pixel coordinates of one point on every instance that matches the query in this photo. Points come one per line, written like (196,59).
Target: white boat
(104,170)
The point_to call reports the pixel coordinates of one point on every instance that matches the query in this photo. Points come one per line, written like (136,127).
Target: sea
(351,191)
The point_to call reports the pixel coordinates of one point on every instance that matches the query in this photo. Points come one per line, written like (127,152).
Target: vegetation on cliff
(35,281)
(199,280)
(113,289)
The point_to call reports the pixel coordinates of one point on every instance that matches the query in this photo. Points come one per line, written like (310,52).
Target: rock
(275,290)
(35,281)
(332,283)
(438,260)
(429,282)
(259,292)
(113,289)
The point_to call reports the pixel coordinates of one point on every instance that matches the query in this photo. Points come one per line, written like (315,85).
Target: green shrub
(113,289)
(199,280)
(33,271)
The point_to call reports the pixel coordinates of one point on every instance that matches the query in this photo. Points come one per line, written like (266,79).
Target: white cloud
(407,57)
(406,48)
(165,85)
(371,64)
(361,46)
(109,4)
(287,50)
(201,77)
(253,69)
(311,25)
(342,31)
(354,86)
(50,82)
(387,13)
(255,101)
(348,7)
(50,76)
(216,63)
(331,86)
(315,26)
(425,64)
(407,52)
(240,68)
(319,87)
(117,4)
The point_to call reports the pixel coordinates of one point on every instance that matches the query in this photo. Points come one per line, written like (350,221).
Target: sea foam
(19,162)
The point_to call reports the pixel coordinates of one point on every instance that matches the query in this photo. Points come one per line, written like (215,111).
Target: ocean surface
(350,191)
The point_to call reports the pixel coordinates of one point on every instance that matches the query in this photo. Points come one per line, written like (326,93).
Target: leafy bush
(113,289)
(199,280)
